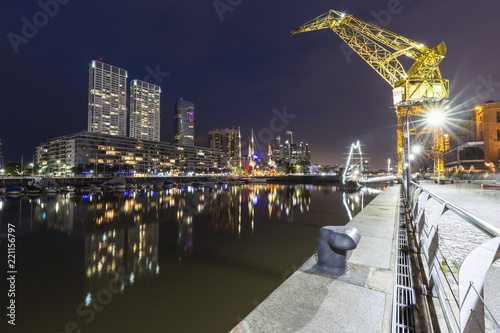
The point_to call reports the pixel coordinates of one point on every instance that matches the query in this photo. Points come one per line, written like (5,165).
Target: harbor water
(173,260)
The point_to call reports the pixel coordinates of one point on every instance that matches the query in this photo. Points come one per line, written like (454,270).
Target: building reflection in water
(125,254)
(121,230)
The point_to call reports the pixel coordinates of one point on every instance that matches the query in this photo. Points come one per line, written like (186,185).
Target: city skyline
(240,70)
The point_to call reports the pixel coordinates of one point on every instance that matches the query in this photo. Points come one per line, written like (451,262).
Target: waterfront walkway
(360,301)
(469,196)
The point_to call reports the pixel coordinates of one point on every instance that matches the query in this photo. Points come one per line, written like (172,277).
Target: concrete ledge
(359,301)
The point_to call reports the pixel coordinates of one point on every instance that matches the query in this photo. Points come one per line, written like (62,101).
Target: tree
(304,166)
(77,170)
(31,169)
(12,168)
(326,169)
(286,168)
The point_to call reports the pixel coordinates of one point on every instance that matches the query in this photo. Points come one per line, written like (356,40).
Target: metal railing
(459,249)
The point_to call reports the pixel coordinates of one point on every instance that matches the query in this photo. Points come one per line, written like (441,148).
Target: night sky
(236,70)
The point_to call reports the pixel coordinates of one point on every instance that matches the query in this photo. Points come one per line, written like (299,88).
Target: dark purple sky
(236,70)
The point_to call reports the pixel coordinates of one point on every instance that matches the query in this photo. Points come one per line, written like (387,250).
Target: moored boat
(67,188)
(50,189)
(30,189)
(167,184)
(95,187)
(13,190)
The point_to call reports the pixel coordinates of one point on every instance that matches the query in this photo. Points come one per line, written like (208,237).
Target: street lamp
(436,118)
(408,164)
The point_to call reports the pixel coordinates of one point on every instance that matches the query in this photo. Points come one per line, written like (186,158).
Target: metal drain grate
(403,303)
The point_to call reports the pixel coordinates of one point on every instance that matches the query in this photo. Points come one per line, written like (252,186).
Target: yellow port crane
(418,90)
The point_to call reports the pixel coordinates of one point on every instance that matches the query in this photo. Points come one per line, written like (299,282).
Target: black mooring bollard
(334,242)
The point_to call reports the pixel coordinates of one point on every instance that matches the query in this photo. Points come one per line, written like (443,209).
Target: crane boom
(381,48)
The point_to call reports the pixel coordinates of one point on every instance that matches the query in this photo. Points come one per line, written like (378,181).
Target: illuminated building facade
(227,140)
(476,141)
(184,117)
(488,130)
(289,152)
(233,147)
(144,110)
(107,107)
(215,139)
(103,154)
(289,137)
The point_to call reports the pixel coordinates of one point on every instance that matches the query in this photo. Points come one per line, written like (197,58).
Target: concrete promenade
(469,196)
(359,301)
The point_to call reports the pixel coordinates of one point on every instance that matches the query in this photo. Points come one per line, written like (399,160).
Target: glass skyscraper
(107,109)
(184,123)
(144,110)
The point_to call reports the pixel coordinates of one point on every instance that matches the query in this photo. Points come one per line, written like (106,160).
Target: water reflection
(131,253)
(115,224)
(354,201)
(120,232)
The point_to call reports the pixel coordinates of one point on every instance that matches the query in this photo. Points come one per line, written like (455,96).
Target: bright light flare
(436,117)
(416,149)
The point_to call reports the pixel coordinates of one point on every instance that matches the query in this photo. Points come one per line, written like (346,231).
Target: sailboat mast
(239,146)
(252,152)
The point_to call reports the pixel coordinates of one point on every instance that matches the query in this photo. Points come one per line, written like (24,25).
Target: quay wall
(359,301)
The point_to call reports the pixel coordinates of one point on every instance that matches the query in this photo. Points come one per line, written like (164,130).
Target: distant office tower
(307,154)
(107,99)
(277,149)
(144,110)
(184,123)
(277,142)
(215,139)
(232,143)
(289,137)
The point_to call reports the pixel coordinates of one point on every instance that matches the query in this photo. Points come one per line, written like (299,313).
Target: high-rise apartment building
(233,143)
(184,123)
(144,110)
(107,109)
(215,139)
